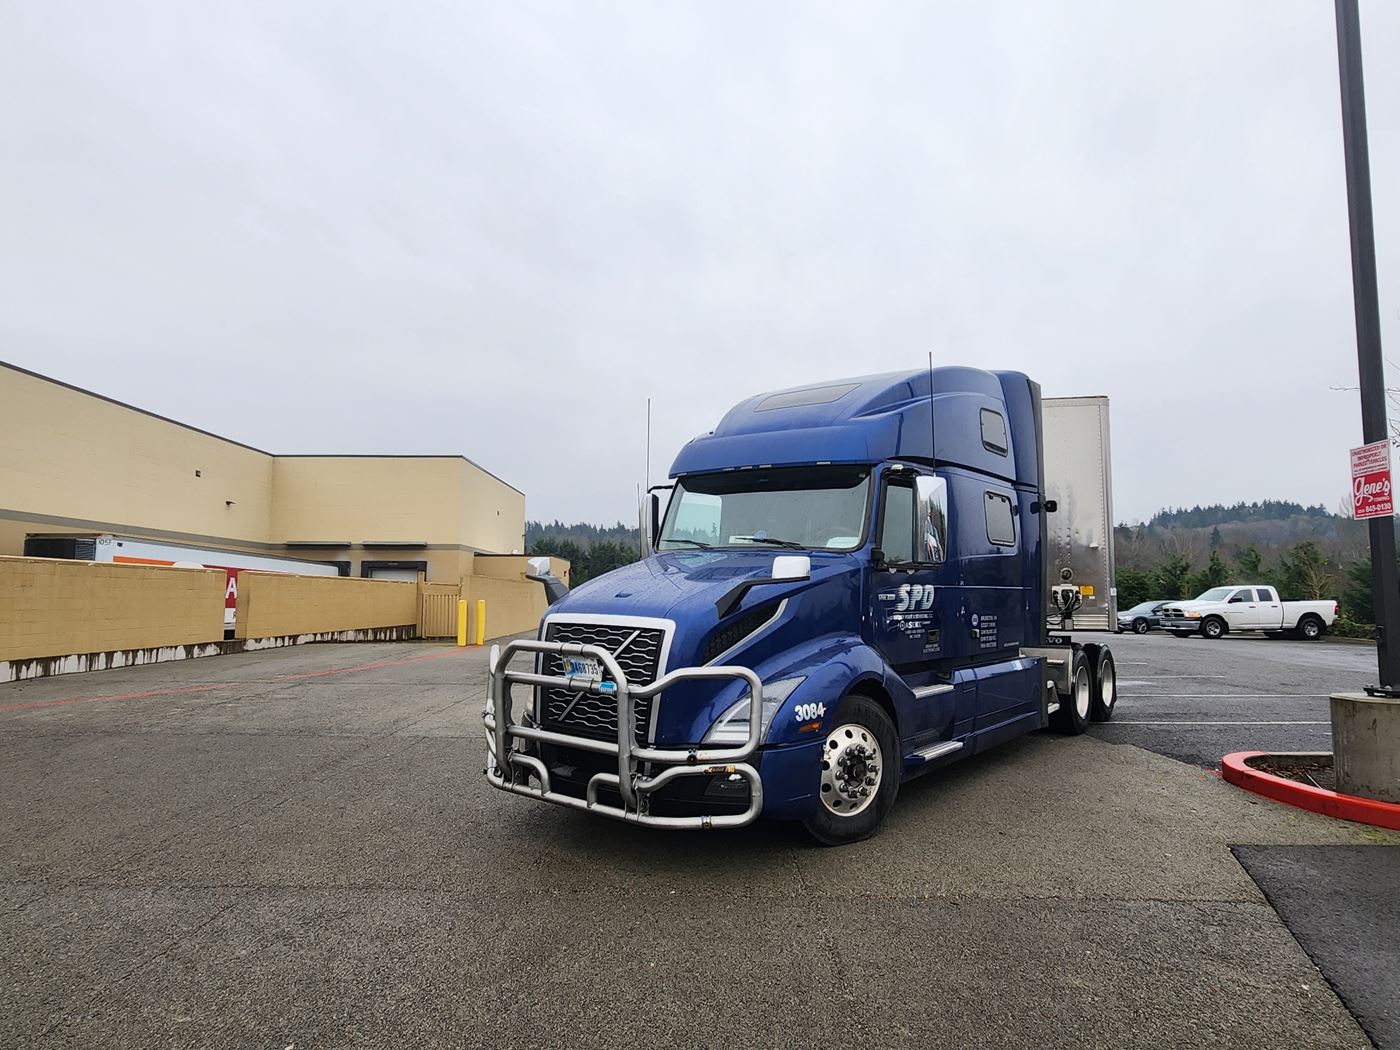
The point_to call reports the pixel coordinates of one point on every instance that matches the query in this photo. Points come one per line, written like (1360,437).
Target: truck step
(938,750)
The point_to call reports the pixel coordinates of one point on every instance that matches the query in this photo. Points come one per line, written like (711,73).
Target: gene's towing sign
(1370,481)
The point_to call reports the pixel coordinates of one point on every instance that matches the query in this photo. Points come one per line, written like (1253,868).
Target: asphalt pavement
(297,848)
(1196,700)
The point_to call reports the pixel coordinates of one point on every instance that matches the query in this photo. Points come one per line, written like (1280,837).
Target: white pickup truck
(1221,610)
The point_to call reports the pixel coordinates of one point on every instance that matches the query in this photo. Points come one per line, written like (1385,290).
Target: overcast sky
(496,229)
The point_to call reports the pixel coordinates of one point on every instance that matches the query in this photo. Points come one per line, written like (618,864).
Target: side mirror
(877,559)
(930,520)
(647,529)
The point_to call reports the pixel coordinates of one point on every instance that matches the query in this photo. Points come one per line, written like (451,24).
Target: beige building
(74,463)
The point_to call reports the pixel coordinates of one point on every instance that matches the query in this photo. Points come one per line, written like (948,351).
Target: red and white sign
(1370,481)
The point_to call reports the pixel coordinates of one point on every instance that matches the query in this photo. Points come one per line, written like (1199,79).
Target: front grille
(637,651)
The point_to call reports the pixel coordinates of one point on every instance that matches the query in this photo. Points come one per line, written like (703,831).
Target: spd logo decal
(915,596)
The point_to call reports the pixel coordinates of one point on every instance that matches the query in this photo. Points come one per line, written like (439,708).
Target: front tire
(861,765)
(1140,626)
(1213,627)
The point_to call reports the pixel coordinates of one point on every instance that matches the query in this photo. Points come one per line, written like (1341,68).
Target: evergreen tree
(1358,600)
(1136,586)
(1174,576)
(1215,574)
(1304,573)
(1250,564)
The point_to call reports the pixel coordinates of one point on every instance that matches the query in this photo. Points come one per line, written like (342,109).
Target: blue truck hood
(683,587)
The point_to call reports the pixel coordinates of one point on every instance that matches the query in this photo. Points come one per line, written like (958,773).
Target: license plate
(582,669)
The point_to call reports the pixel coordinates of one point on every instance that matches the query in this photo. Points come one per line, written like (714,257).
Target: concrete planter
(1366,743)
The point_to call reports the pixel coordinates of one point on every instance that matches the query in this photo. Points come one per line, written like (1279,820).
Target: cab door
(1270,609)
(1241,610)
(908,621)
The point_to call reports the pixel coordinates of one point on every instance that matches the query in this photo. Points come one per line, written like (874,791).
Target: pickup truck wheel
(1310,628)
(1212,627)
(1072,718)
(1140,626)
(1104,692)
(859,775)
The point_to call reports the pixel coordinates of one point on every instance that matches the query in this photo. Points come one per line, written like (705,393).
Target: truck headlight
(733,726)
(1193,615)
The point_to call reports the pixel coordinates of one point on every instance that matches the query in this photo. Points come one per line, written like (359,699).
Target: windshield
(1140,608)
(811,508)
(1215,594)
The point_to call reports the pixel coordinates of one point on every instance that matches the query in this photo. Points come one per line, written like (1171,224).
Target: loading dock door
(393,570)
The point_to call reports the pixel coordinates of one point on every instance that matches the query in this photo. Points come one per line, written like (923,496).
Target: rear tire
(1104,694)
(1213,627)
(1072,718)
(1311,628)
(1140,626)
(862,747)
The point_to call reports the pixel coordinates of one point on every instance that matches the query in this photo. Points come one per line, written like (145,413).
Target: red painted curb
(1318,800)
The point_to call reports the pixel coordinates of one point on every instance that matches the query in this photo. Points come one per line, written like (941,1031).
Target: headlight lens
(1193,616)
(732,728)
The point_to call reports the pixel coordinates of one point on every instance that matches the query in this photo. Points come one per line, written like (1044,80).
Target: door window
(897,521)
(1241,596)
(1265,596)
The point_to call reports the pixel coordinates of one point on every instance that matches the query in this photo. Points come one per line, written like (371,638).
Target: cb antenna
(648,468)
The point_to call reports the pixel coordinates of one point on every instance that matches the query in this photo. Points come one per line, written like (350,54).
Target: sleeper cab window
(994,431)
(1001,519)
(897,521)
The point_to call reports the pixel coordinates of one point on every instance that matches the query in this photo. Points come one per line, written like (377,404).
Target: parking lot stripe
(1118,722)
(1233,696)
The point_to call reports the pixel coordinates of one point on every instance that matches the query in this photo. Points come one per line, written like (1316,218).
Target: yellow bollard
(462,622)
(481,621)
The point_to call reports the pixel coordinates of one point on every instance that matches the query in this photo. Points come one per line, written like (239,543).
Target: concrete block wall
(278,604)
(513,607)
(51,607)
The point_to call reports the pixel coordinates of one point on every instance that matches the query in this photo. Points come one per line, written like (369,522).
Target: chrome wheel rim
(1310,629)
(852,768)
(1081,693)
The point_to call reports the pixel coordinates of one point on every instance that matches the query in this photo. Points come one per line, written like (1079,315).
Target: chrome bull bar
(505,764)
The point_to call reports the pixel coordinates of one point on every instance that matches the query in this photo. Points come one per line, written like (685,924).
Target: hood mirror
(792,567)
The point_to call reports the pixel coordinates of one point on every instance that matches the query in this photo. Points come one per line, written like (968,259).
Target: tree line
(1305,552)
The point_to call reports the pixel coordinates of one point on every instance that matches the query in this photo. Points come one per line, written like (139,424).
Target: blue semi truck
(890,564)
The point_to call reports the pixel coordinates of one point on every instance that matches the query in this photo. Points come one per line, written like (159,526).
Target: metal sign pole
(1385,583)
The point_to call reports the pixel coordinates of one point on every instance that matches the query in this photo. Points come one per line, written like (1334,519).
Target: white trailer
(1079,479)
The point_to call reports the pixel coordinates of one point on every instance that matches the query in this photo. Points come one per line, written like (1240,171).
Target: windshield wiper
(682,539)
(790,544)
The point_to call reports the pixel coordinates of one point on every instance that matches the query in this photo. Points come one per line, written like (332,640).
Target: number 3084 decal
(809,712)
